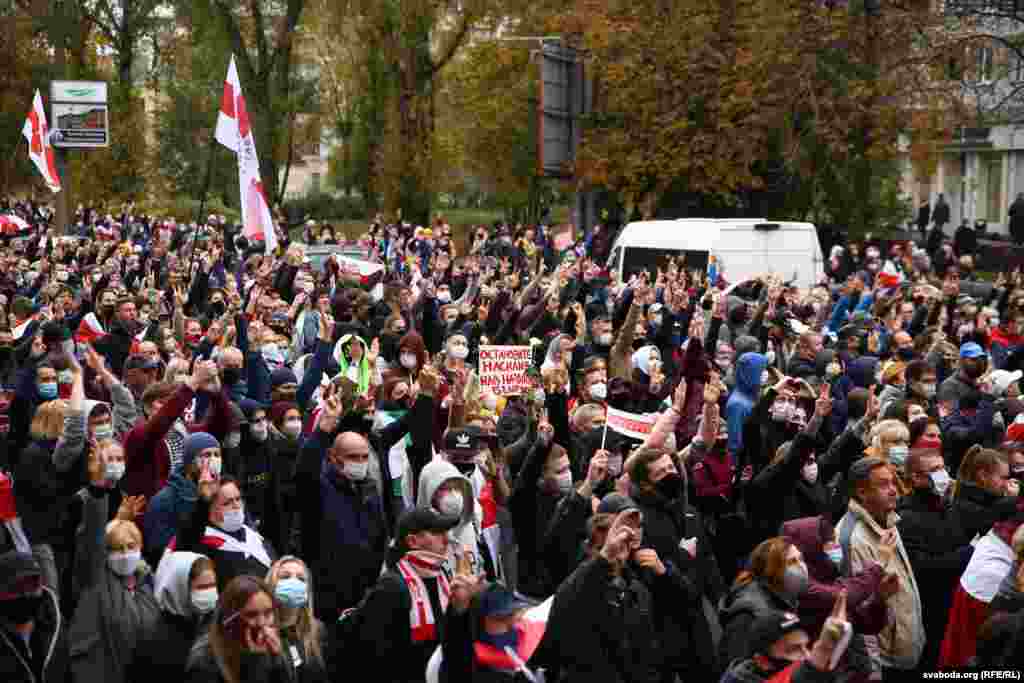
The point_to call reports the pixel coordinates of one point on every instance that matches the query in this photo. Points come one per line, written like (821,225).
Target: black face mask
(670,486)
(217,309)
(231,376)
(465,468)
(906,354)
(20,610)
(777,663)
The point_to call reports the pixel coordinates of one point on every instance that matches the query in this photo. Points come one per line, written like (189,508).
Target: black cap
(139,362)
(460,441)
(55,332)
(498,601)
(614,503)
(423,519)
(768,628)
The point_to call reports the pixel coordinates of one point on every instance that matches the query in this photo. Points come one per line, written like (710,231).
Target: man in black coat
(940,215)
(935,540)
(675,531)
(924,215)
(1017,218)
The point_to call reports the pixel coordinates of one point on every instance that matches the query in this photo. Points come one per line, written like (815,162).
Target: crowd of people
(223,465)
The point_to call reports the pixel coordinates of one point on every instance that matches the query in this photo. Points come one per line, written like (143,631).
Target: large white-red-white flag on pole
(234,131)
(39,150)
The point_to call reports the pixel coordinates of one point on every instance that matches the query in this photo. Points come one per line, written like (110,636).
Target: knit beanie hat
(195,444)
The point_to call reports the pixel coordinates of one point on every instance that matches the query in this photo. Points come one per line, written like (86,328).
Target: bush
(321,207)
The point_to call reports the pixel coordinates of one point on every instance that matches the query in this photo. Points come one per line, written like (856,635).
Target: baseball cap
(458,441)
(614,503)
(423,519)
(498,601)
(768,628)
(971,350)
(1002,379)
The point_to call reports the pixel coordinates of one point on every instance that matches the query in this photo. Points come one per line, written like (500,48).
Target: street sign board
(79,116)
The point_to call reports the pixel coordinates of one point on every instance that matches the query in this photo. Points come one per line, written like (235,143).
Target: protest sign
(633,425)
(503,369)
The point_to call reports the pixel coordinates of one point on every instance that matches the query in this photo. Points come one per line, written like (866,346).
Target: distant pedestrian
(1017,218)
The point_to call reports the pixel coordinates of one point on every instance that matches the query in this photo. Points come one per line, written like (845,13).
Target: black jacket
(779,493)
(254,668)
(601,629)
(46,658)
(165,648)
(939,550)
(383,642)
(738,612)
(532,510)
(980,509)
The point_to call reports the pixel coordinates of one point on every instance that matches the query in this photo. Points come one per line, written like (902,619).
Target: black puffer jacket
(738,612)
(779,492)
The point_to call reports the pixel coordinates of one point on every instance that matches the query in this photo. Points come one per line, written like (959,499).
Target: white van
(743,248)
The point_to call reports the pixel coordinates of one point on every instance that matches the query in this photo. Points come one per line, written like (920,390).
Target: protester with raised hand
(116,603)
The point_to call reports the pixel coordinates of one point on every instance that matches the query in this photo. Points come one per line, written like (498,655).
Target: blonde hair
(48,422)
(122,531)
(888,428)
(977,459)
(307,627)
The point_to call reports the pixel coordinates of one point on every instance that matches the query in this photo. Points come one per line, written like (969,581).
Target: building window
(984,63)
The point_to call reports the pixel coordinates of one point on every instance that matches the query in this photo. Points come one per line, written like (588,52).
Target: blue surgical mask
(898,454)
(292,592)
(47,390)
(835,555)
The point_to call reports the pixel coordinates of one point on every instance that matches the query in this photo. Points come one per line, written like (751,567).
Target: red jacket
(147,460)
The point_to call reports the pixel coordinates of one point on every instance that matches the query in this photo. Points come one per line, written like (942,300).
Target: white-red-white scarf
(413,566)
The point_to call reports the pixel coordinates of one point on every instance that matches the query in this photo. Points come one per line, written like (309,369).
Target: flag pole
(202,204)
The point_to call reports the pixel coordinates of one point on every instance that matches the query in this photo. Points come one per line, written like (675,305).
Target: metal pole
(202,203)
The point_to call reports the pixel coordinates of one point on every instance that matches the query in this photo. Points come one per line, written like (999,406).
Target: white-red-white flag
(234,131)
(37,132)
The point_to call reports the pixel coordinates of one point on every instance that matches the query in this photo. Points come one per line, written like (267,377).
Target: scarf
(414,565)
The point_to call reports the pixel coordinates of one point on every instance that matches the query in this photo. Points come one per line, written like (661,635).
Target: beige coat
(901,642)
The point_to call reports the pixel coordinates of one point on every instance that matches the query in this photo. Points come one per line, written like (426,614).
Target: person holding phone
(243,643)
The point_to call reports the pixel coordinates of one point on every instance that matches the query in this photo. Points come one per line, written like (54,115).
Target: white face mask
(898,454)
(835,554)
(810,472)
(444,297)
(765,378)
(215,465)
(940,481)
(599,391)
(490,402)
(234,519)
(258,430)
(356,471)
(460,352)
(232,440)
(604,339)
(292,428)
(113,471)
(408,360)
(124,564)
(203,601)
(451,504)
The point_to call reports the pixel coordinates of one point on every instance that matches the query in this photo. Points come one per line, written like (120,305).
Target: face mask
(258,431)
(451,504)
(231,376)
(599,391)
(835,555)
(272,355)
(233,519)
(658,320)
(292,592)
(292,428)
(356,471)
(604,339)
(21,609)
(905,354)
(459,352)
(540,396)
(490,402)
(564,482)
(781,411)
(113,471)
(940,482)
(204,601)
(794,581)
(232,440)
(670,486)
(810,472)
(444,297)
(64,377)
(102,432)
(765,378)
(898,455)
(124,564)
(215,465)
(408,360)
(47,390)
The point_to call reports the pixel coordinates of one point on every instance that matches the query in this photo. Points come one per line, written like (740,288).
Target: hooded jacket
(165,648)
(744,396)
(45,660)
(464,536)
(169,511)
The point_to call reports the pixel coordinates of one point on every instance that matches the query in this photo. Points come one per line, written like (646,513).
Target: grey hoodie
(466,535)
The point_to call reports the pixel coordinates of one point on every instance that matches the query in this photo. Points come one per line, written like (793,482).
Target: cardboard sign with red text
(503,369)
(633,425)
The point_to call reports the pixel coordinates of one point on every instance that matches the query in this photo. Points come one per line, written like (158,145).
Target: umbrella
(12,225)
